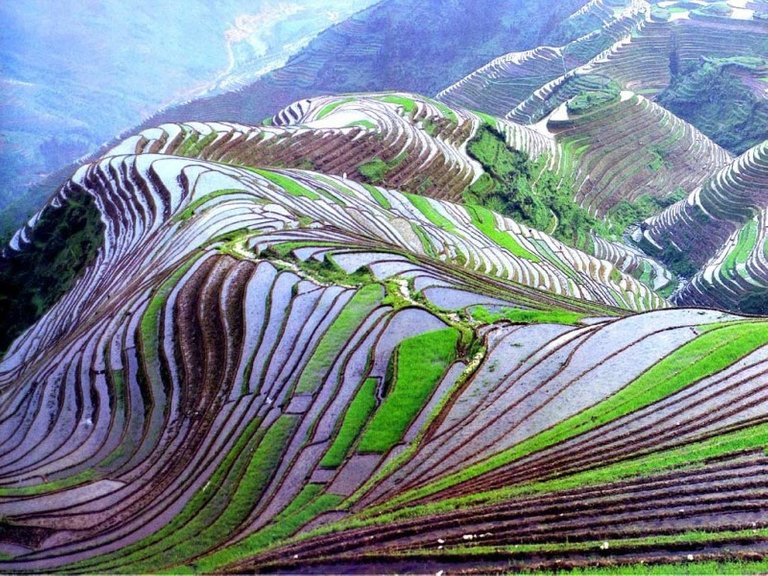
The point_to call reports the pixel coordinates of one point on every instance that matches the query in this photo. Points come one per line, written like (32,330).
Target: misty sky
(76,73)
(175,47)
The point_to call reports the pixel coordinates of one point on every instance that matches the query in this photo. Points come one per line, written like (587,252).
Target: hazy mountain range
(75,73)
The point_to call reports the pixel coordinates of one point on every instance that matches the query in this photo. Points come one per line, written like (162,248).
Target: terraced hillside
(718,232)
(321,344)
(510,83)
(622,149)
(628,148)
(641,46)
(244,361)
(737,122)
(279,369)
(399,140)
(421,146)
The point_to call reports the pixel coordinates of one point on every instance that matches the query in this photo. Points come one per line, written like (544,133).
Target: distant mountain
(411,45)
(682,55)
(68,84)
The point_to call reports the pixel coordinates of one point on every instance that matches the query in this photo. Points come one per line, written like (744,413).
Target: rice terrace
(432,287)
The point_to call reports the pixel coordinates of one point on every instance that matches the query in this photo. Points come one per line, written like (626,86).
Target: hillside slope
(630,147)
(259,353)
(737,118)
(418,145)
(718,233)
(398,140)
(330,342)
(505,83)
(657,52)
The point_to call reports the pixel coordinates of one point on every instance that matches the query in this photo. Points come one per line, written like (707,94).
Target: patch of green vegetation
(713,95)
(524,190)
(418,364)
(328,272)
(476,352)
(365,301)
(424,206)
(589,100)
(484,220)
(235,235)
(200,536)
(429,126)
(306,506)
(332,106)
(447,113)
(64,241)
(118,381)
(193,145)
(658,158)
(284,249)
(423,237)
(151,377)
(676,260)
(687,457)
(150,321)
(520,316)
(501,162)
(739,255)
(408,104)
(425,183)
(487,118)
(330,195)
(235,244)
(200,511)
(683,568)
(336,185)
(378,196)
(714,350)
(357,415)
(575,26)
(395,297)
(190,210)
(697,536)
(625,213)
(376,170)
(288,184)
(189,141)
(52,486)
(367,124)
